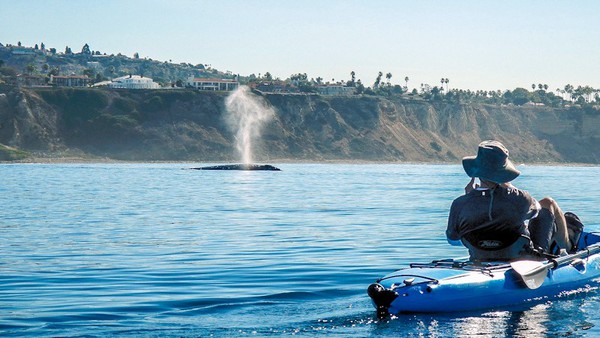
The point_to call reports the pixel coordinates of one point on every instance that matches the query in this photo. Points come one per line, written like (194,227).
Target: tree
(136,55)
(353,81)
(520,96)
(268,76)
(36,47)
(360,88)
(19,43)
(388,76)
(42,46)
(406,81)
(86,50)
(54,71)
(88,72)
(533,86)
(569,90)
(68,50)
(377,80)
(30,68)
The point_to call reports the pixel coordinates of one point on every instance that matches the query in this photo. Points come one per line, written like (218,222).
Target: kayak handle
(427,279)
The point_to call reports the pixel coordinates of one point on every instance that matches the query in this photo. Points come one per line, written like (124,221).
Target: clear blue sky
(475,44)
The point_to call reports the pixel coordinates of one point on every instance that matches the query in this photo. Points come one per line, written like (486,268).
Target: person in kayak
(497,221)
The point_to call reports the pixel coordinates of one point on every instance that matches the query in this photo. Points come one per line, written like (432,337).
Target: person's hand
(470,186)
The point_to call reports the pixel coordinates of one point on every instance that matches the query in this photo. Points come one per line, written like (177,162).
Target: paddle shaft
(562,260)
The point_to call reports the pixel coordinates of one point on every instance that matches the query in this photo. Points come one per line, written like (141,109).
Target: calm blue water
(159,250)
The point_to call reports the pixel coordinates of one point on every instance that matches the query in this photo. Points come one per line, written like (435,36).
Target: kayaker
(497,221)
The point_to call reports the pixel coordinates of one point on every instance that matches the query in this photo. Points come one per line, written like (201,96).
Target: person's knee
(548,203)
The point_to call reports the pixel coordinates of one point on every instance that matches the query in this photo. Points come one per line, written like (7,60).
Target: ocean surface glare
(161,250)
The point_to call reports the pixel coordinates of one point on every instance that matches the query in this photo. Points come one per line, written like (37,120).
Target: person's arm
(532,206)
(451,234)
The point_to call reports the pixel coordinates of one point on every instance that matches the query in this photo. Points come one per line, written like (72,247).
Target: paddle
(534,273)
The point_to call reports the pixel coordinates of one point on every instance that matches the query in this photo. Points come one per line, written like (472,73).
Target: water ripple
(152,250)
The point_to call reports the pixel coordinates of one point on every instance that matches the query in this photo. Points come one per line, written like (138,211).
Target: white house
(133,82)
(212,84)
(335,90)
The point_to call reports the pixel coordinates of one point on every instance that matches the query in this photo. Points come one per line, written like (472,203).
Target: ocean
(159,250)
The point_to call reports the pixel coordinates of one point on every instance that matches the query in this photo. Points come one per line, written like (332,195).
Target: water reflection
(560,318)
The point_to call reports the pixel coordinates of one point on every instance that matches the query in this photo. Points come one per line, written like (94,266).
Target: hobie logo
(489,244)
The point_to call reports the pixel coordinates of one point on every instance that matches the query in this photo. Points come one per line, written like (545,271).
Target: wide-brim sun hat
(491,163)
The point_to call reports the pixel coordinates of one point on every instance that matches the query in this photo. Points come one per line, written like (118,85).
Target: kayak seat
(575,228)
(490,248)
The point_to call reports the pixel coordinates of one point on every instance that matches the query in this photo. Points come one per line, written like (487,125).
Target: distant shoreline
(96,160)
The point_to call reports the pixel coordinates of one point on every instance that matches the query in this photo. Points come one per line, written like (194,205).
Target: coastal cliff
(186,125)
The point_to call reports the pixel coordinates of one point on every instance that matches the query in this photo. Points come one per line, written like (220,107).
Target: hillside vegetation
(187,125)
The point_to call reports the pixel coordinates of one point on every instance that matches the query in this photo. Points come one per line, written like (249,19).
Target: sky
(476,44)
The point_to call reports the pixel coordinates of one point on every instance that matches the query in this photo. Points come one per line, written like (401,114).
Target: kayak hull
(459,285)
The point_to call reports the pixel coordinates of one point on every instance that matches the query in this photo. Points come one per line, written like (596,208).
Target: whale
(241,166)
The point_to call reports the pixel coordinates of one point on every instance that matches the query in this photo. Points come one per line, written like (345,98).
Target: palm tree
(569,90)
(406,81)
(533,86)
(446,81)
(388,76)
(353,74)
(378,80)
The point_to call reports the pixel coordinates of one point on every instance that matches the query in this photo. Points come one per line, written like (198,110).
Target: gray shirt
(500,210)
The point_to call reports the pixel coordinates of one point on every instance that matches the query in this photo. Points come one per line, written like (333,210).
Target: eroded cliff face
(370,128)
(188,125)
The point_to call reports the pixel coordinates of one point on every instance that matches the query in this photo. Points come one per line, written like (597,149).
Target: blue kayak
(455,285)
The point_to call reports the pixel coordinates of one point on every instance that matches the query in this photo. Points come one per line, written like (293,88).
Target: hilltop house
(132,82)
(23,51)
(275,86)
(70,81)
(335,90)
(25,80)
(212,84)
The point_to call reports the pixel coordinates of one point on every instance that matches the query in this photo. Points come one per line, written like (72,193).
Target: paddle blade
(532,273)
(536,280)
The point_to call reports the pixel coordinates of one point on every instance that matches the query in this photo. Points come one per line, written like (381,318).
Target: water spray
(247,113)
